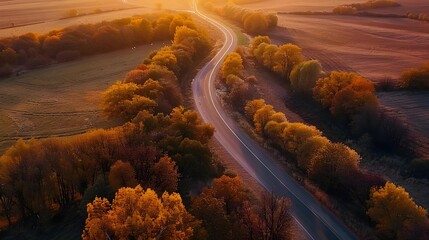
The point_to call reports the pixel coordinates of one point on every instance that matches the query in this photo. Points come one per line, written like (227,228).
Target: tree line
(333,166)
(350,98)
(256,22)
(32,50)
(350,9)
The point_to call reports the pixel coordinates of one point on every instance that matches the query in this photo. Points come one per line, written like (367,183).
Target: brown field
(377,48)
(421,6)
(62,99)
(42,16)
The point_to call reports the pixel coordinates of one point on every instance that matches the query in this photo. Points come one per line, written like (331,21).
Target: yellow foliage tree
(253,106)
(326,88)
(286,57)
(391,208)
(233,64)
(296,134)
(139,214)
(262,116)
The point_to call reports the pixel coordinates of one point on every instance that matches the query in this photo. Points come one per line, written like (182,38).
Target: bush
(416,78)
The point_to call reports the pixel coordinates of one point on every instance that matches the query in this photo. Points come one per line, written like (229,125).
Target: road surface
(314,218)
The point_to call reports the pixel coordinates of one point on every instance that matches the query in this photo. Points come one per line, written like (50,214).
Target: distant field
(377,48)
(62,99)
(421,6)
(43,15)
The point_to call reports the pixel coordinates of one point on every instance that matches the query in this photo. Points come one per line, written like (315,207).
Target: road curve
(315,219)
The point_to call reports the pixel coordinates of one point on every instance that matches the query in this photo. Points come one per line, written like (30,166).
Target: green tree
(304,76)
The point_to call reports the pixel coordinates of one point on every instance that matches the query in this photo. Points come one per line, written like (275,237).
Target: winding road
(316,221)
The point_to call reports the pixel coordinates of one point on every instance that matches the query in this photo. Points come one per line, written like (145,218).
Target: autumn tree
(285,59)
(332,165)
(164,175)
(122,174)
(139,214)
(233,64)
(256,41)
(253,106)
(122,100)
(262,116)
(165,57)
(309,150)
(392,209)
(296,134)
(354,98)
(275,217)
(326,88)
(255,23)
(304,76)
(219,207)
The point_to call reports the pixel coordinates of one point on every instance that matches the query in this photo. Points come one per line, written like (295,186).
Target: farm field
(420,6)
(62,99)
(43,16)
(377,48)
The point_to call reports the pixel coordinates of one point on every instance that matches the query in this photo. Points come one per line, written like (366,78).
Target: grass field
(62,99)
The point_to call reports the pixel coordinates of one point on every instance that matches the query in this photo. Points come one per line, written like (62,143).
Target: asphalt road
(315,219)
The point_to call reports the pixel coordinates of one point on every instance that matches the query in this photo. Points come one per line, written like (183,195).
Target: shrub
(416,78)
(233,64)
(253,106)
(326,88)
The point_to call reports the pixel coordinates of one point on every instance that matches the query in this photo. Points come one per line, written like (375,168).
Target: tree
(256,41)
(275,220)
(139,214)
(286,57)
(309,150)
(220,207)
(354,98)
(304,76)
(268,57)
(392,209)
(297,134)
(326,88)
(262,116)
(253,106)
(165,176)
(255,22)
(165,57)
(122,174)
(233,64)
(121,100)
(332,166)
